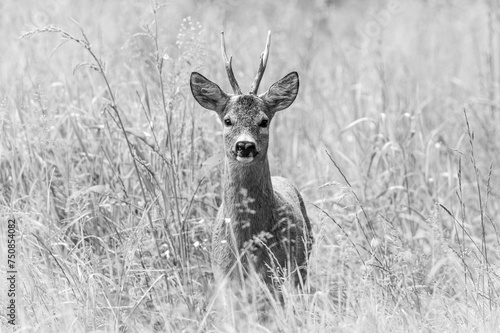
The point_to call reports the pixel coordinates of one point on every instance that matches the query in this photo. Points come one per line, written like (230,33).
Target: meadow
(112,171)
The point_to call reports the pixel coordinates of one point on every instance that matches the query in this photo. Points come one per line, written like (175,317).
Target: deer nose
(246,149)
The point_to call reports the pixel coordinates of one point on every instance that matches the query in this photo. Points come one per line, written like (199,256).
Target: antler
(262,66)
(229,69)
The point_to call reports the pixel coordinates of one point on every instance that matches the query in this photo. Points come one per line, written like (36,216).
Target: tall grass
(113,172)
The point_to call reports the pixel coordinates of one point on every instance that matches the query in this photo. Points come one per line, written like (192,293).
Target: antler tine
(229,69)
(262,66)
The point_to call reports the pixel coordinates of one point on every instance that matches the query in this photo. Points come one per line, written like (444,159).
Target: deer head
(245,117)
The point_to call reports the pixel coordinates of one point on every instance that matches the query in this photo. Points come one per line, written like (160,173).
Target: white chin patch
(244,159)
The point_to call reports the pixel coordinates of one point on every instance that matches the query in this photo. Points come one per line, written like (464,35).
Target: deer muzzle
(245,151)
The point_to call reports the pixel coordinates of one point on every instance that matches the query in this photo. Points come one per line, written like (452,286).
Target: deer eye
(227,122)
(264,123)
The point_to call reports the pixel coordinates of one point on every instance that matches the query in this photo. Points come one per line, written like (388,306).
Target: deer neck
(248,198)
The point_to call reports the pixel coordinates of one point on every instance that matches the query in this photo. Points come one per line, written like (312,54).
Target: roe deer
(262,221)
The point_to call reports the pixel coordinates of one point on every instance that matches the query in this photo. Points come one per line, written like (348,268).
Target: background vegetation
(110,167)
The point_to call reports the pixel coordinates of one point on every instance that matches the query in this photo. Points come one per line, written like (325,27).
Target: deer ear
(282,94)
(207,93)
